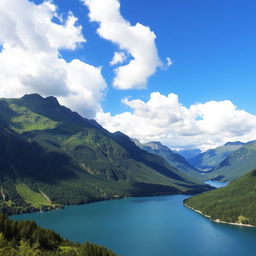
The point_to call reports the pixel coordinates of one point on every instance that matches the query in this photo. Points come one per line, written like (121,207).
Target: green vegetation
(30,196)
(236,164)
(233,204)
(213,157)
(51,156)
(174,159)
(25,238)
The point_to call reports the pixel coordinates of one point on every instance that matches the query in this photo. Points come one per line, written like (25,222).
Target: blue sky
(211,81)
(211,44)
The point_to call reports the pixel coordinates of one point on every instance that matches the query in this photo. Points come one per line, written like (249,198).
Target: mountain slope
(212,157)
(172,158)
(188,153)
(236,164)
(233,204)
(58,157)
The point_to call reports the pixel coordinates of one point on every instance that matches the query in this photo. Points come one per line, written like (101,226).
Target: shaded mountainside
(51,156)
(233,204)
(236,164)
(172,158)
(188,153)
(213,157)
(28,239)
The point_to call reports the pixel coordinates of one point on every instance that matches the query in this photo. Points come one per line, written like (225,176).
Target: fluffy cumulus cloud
(30,58)
(138,41)
(165,119)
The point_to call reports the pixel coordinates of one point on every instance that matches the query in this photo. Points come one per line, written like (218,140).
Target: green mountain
(174,159)
(236,164)
(51,156)
(28,239)
(213,157)
(234,203)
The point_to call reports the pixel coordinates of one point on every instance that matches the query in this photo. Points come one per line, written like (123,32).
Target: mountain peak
(33,96)
(234,143)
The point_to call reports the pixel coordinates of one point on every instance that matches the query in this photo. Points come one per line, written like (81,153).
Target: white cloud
(119,57)
(138,41)
(169,61)
(164,118)
(30,59)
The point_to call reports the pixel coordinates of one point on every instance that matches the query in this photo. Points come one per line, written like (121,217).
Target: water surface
(216,184)
(151,226)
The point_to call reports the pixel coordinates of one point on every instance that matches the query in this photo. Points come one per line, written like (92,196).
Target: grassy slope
(52,149)
(234,203)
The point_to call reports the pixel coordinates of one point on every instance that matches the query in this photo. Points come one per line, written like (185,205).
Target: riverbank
(218,220)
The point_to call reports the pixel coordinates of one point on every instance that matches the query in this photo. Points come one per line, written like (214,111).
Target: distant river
(151,226)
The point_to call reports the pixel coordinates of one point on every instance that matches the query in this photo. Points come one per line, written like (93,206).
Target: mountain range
(211,158)
(236,164)
(51,156)
(174,159)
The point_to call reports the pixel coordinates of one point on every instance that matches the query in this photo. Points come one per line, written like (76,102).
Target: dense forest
(234,203)
(25,238)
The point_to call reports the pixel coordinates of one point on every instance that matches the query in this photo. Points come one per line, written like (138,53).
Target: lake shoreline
(115,197)
(218,220)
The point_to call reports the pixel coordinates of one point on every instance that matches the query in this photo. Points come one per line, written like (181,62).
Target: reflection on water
(216,184)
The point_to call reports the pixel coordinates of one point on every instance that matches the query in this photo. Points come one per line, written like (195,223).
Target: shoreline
(218,220)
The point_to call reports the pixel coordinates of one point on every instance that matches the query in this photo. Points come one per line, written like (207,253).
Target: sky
(179,72)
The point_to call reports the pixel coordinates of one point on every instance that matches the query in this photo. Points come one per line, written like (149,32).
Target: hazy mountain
(213,157)
(50,155)
(172,158)
(188,153)
(236,164)
(233,204)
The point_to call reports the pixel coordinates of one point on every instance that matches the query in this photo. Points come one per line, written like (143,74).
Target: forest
(233,204)
(25,238)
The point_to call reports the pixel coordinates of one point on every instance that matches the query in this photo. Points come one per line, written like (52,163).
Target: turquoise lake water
(216,184)
(151,226)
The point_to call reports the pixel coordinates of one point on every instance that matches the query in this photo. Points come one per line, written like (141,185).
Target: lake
(149,226)
(216,184)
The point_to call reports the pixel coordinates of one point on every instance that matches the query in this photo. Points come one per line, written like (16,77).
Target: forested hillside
(236,164)
(51,156)
(174,159)
(234,203)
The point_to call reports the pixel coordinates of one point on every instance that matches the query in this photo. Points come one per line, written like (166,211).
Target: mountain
(51,156)
(236,164)
(188,153)
(212,157)
(174,159)
(233,204)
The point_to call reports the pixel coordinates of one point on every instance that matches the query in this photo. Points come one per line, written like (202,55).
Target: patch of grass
(30,196)
(242,219)
(25,120)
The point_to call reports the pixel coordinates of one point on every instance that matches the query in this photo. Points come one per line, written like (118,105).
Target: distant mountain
(174,159)
(236,164)
(51,156)
(233,204)
(213,157)
(188,153)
